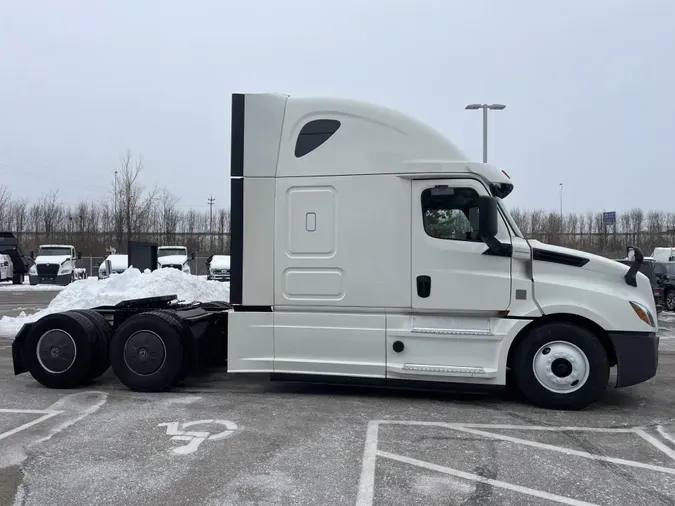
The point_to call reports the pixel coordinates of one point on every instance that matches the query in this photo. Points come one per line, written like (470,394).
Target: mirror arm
(496,247)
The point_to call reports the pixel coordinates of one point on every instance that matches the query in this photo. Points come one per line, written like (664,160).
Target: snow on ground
(131,284)
(5,287)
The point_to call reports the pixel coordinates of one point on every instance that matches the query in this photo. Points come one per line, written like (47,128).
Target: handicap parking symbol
(196,438)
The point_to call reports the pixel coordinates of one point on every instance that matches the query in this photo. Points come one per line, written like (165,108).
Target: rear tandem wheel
(147,351)
(59,349)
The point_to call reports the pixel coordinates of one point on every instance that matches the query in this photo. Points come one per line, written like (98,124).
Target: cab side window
(450,213)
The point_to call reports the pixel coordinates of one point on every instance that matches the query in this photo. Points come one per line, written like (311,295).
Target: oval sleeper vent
(313,134)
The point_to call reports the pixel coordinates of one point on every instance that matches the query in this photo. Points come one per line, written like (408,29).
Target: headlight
(65,269)
(32,271)
(186,268)
(643,313)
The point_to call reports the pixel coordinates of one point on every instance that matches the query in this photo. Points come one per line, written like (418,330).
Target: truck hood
(220,263)
(56,259)
(596,263)
(172,259)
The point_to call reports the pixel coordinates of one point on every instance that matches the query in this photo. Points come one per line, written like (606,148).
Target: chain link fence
(92,263)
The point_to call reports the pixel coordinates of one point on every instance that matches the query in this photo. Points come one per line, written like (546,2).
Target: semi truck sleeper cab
(366,245)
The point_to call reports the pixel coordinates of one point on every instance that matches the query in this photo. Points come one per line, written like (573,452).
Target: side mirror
(79,255)
(193,255)
(32,255)
(488,224)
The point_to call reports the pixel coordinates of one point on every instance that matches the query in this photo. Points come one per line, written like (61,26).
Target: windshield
(53,251)
(171,251)
(509,218)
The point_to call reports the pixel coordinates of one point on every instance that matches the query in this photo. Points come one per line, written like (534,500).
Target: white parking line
(495,483)
(47,414)
(664,434)
(371,453)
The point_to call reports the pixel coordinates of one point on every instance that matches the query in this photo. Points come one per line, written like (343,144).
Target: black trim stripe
(236,241)
(558,258)
(252,309)
(237,135)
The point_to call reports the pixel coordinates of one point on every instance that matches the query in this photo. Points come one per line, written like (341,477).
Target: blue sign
(609,217)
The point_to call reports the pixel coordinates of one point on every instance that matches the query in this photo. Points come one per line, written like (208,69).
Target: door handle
(423,286)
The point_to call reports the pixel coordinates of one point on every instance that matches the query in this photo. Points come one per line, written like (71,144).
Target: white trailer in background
(663,254)
(366,246)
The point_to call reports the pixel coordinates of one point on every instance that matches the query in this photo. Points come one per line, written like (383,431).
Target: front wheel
(561,366)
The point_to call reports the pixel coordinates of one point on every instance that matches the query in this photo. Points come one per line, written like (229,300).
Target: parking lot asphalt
(258,442)
(13,301)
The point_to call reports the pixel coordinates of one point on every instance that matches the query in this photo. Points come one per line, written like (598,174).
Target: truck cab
(175,257)
(55,264)
(366,244)
(218,267)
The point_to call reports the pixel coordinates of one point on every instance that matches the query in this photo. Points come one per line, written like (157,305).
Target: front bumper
(637,356)
(218,277)
(59,279)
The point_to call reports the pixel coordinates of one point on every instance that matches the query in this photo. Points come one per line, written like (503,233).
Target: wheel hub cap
(561,367)
(56,351)
(144,352)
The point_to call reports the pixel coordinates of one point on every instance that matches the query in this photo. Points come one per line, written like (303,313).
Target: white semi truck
(175,257)
(6,268)
(56,264)
(366,246)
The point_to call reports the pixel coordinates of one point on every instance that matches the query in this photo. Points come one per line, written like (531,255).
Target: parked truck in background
(115,263)
(56,264)
(6,268)
(175,257)
(218,268)
(16,263)
(365,246)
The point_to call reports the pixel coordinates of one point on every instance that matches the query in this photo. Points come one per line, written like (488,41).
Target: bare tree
(50,211)
(5,201)
(18,211)
(134,203)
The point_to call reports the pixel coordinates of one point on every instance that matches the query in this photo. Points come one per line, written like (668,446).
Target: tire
(100,356)
(189,353)
(544,387)
(17,279)
(669,301)
(57,351)
(158,339)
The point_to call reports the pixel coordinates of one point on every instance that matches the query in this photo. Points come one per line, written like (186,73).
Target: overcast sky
(588,87)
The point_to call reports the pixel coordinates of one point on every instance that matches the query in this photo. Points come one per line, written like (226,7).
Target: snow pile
(131,284)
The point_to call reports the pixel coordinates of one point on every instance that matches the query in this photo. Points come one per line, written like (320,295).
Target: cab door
(452,268)
(458,288)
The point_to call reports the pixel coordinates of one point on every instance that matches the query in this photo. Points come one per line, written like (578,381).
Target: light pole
(485,107)
(561,191)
